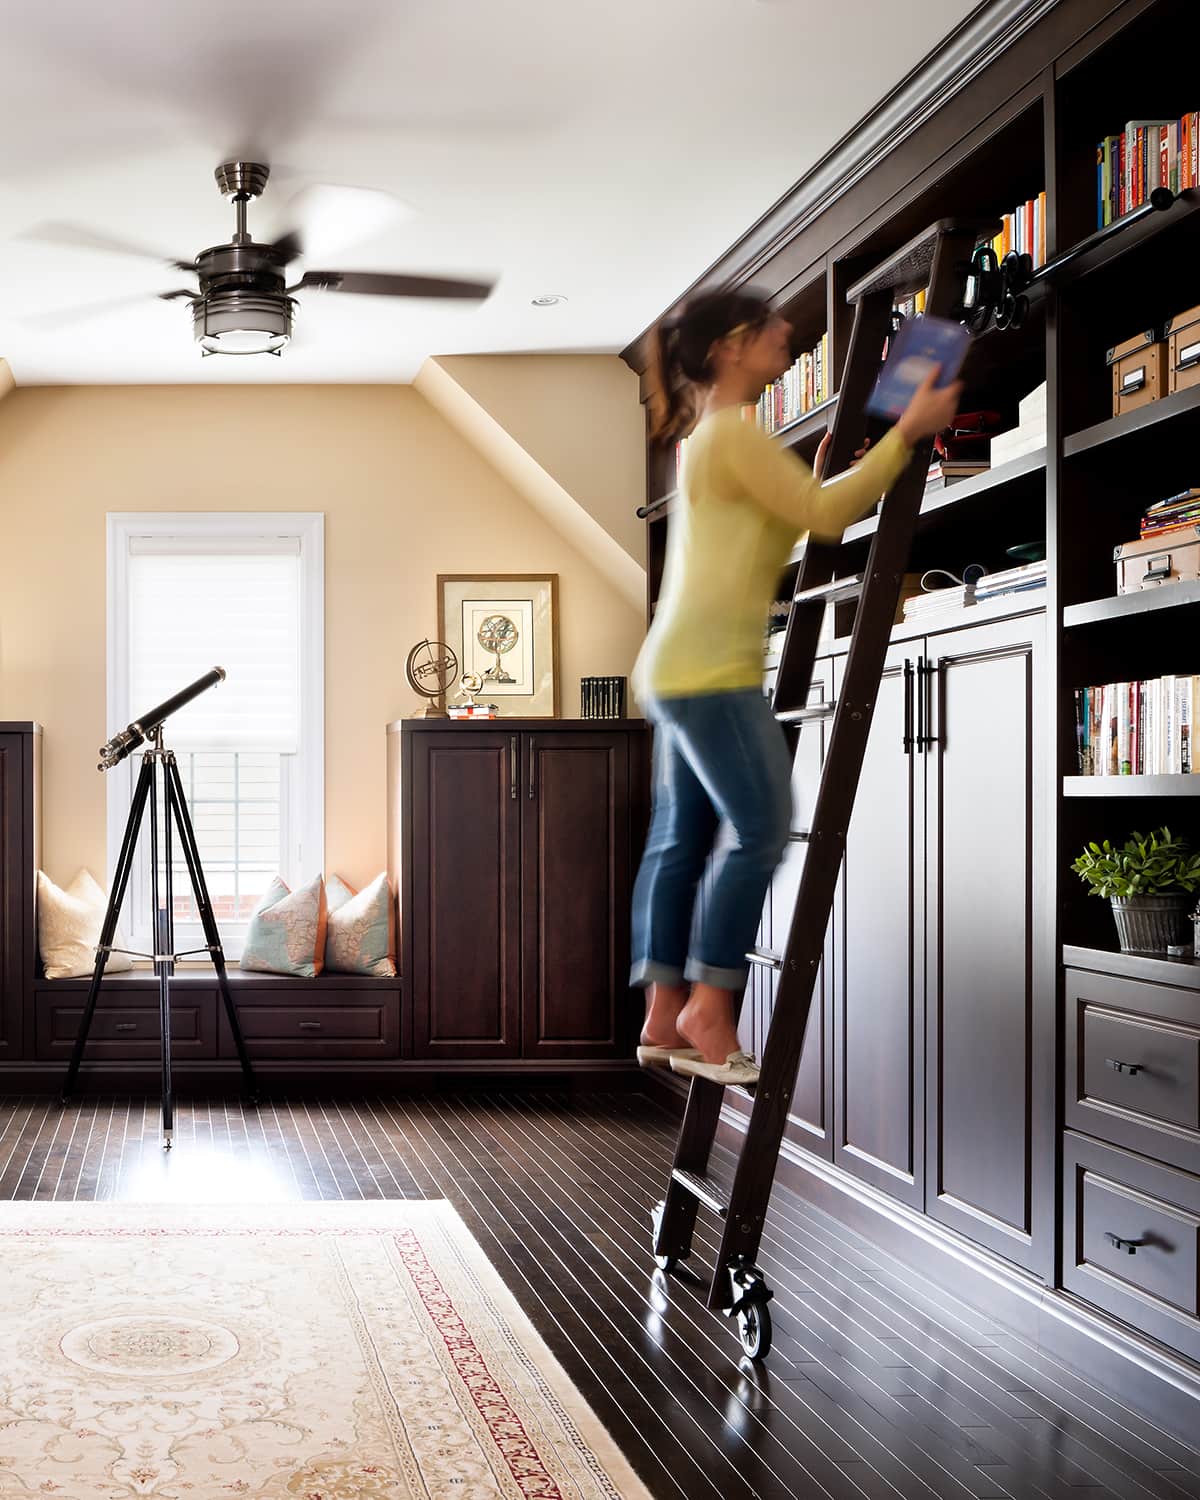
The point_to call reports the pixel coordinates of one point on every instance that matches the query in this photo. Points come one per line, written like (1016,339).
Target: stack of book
(796,391)
(1181,512)
(472,711)
(1137,728)
(1024,230)
(1019,580)
(938,602)
(1145,155)
(943,471)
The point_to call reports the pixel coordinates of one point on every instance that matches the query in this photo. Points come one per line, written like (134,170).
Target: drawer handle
(310,1025)
(1123,1067)
(125,1026)
(1130,1247)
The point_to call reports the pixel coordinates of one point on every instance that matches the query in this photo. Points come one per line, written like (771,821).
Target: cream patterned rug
(302,1351)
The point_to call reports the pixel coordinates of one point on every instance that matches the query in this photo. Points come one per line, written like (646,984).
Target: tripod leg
(109,927)
(191,853)
(162,962)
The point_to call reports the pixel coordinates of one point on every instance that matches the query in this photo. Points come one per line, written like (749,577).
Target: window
(187,592)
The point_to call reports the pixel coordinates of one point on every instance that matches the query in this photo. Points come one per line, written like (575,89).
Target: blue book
(921,344)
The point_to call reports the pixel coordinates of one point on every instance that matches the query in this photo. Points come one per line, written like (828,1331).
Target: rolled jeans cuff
(648,971)
(723,979)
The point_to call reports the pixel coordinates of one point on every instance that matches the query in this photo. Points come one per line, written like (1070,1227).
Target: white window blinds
(232,602)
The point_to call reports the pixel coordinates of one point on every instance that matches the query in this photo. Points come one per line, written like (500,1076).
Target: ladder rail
(802,954)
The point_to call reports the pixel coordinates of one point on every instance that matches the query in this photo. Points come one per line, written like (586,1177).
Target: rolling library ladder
(938,258)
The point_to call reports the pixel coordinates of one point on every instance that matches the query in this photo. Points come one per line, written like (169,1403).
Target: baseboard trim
(1156,1382)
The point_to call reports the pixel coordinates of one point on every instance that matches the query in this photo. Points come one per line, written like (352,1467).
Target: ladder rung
(908,269)
(806,715)
(704,1188)
(763,959)
(837,591)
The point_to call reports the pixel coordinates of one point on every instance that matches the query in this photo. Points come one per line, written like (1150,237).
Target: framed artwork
(504,626)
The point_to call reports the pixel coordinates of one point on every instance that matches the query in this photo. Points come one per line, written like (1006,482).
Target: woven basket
(1147,924)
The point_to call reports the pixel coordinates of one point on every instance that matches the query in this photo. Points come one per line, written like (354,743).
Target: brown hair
(680,349)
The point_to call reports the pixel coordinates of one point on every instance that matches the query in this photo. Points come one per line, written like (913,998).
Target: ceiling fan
(243,304)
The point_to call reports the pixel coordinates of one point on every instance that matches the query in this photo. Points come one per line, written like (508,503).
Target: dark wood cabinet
(20,770)
(938,1083)
(513,858)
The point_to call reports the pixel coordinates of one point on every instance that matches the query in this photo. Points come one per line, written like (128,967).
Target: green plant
(1154,864)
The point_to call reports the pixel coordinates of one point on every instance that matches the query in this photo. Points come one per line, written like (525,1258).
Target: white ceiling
(604,150)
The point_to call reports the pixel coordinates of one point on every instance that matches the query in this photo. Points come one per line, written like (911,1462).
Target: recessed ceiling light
(551,299)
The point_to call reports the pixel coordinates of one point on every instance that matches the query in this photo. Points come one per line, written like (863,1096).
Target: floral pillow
(361,935)
(287,931)
(68,925)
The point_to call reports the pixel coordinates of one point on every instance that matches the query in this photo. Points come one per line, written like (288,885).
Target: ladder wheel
(754,1330)
(667,1263)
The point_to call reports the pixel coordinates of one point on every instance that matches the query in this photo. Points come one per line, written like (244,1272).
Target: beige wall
(404,499)
(580,416)
(6,379)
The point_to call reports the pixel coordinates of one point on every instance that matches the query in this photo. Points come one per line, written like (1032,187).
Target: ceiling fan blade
(288,247)
(80,237)
(65,317)
(384,284)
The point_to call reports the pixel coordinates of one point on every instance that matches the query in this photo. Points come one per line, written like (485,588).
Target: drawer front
(1132,1066)
(358,1028)
(125,1028)
(1131,1240)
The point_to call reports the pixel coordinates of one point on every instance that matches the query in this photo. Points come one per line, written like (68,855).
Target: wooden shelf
(1184,972)
(811,424)
(1144,232)
(1167,409)
(1131,606)
(1131,786)
(964,491)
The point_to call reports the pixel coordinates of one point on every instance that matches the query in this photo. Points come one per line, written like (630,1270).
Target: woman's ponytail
(680,347)
(667,407)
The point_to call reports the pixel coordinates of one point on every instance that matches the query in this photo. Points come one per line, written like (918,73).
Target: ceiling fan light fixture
(235,321)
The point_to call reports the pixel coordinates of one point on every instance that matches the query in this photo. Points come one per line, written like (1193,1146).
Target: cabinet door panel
(13,892)
(575,894)
(980,935)
(463,938)
(879,1078)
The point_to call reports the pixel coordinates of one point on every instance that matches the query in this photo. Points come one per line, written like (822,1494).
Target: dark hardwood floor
(878,1385)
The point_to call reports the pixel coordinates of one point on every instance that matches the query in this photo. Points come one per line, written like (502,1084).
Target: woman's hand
(931,409)
(823,453)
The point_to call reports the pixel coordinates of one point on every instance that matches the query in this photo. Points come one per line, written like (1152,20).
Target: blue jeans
(718,757)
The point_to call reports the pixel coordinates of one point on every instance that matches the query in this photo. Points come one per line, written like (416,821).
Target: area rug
(306,1351)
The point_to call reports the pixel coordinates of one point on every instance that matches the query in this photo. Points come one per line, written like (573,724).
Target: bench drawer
(125,1026)
(352,1025)
(1132,1065)
(1131,1240)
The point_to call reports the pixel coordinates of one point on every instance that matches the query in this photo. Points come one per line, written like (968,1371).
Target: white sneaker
(739,1068)
(649,1056)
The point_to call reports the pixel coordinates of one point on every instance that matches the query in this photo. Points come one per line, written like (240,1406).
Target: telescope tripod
(158,761)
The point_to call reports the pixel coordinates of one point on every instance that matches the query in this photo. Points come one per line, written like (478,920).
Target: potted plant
(1150,882)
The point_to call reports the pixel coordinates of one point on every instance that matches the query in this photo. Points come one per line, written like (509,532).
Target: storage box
(1182,334)
(1031,410)
(1152,561)
(1016,442)
(1139,371)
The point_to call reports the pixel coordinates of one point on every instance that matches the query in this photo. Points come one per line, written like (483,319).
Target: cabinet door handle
(512,768)
(908,707)
(1130,1247)
(1122,1067)
(532,763)
(310,1025)
(125,1026)
(926,672)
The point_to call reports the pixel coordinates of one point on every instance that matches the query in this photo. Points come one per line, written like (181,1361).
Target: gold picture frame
(505,627)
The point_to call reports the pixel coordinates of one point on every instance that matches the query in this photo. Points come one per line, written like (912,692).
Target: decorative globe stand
(431,669)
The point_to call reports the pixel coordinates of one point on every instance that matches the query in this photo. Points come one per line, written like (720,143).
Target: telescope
(135,734)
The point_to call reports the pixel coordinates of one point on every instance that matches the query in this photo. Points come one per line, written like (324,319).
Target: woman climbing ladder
(719,754)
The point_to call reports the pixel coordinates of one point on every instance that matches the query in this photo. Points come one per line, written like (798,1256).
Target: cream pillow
(69,923)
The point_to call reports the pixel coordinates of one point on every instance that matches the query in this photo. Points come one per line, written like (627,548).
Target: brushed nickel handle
(1118,1066)
(310,1025)
(126,1026)
(512,768)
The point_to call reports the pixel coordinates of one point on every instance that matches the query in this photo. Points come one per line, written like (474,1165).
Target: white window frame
(303,781)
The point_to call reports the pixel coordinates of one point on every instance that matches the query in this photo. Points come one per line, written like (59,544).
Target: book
(921,345)
(1138,728)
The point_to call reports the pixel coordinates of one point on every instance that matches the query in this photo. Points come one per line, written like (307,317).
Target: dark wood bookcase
(957,1066)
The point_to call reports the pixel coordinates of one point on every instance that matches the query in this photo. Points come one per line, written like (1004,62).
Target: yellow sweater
(743,502)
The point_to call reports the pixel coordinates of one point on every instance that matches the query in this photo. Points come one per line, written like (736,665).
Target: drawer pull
(1130,1247)
(1123,1067)
(310,1025)
(125,1026)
